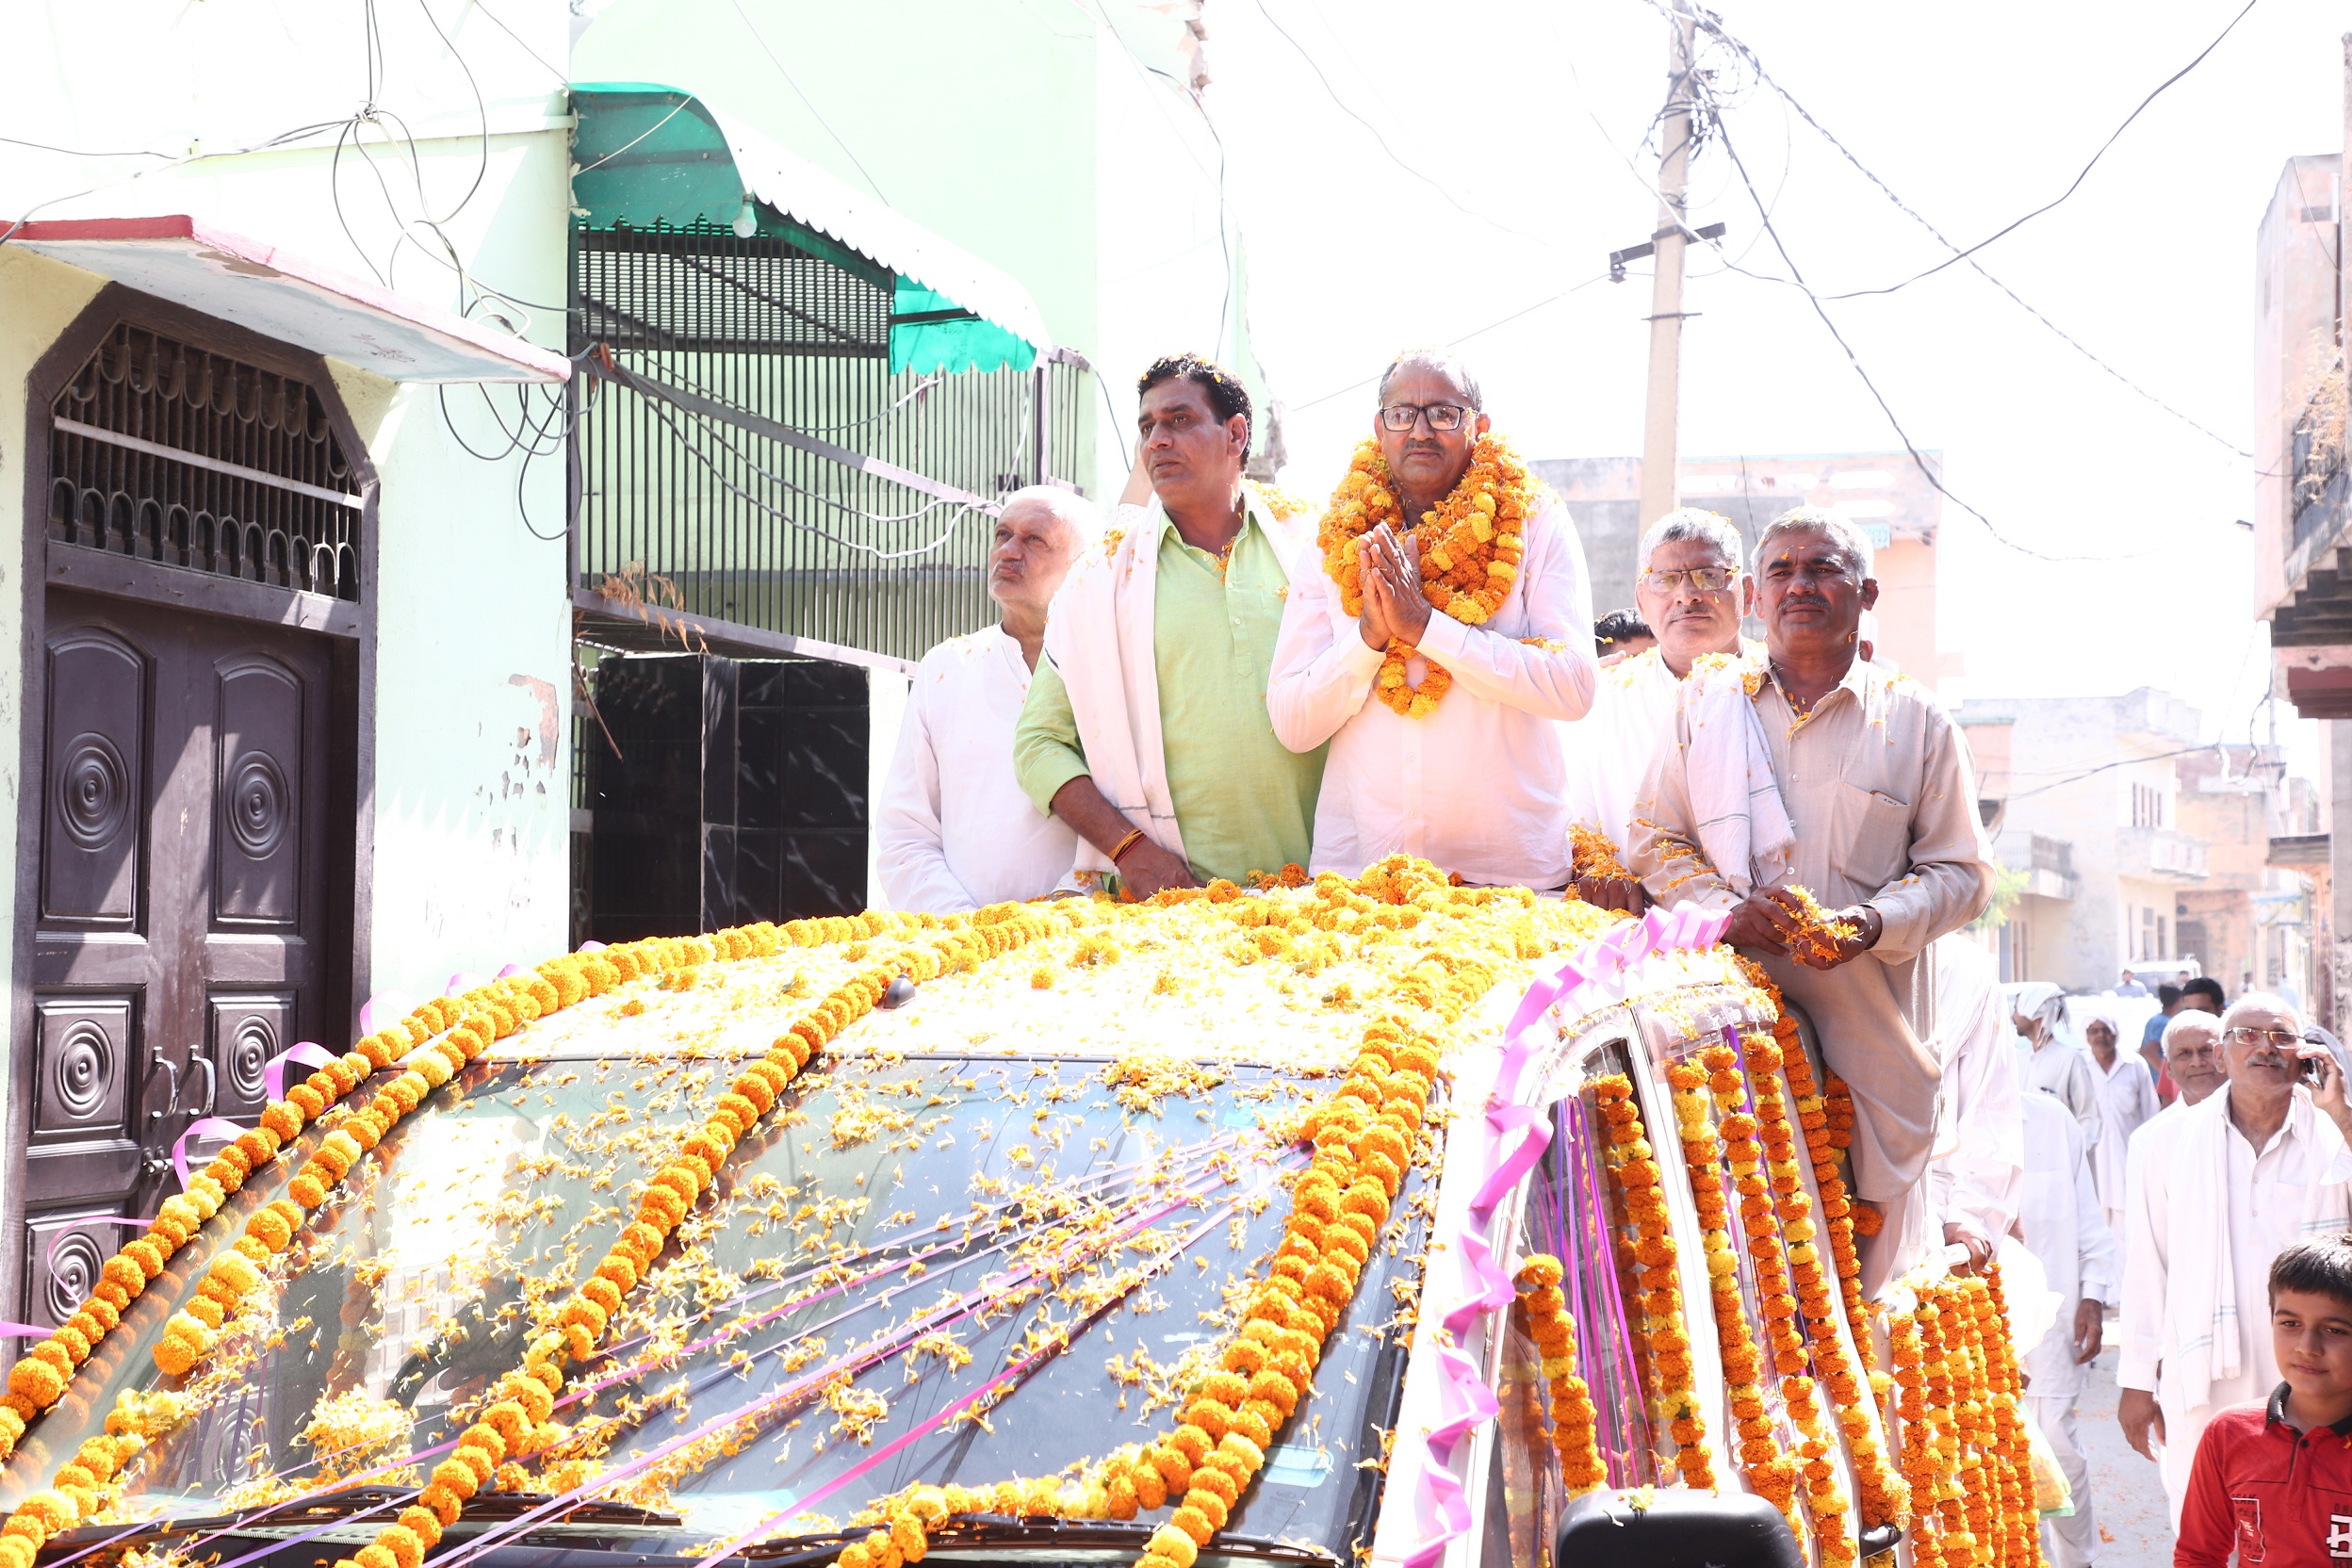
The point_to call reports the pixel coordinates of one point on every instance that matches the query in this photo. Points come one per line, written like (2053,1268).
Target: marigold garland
(1818,934)
(1663,1337)
(1964,1440)
(1363,1135)
(515,1424)
(1592,853)
(1470,547)
(1713,1079)
(1574,1423)
(1883,1497)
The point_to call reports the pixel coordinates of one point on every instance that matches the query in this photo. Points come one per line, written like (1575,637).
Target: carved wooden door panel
(183,919)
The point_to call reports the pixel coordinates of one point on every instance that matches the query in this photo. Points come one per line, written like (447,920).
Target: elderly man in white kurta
(953,831)
(1439,627)
(2127,1101)
(1691,592)
(2218,1190)
(1812,768)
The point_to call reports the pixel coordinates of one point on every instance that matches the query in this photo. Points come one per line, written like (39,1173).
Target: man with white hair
(1810,768)
(2260,1164)
(2127,1101)
(1442,624)
(1692,593)
(953,831)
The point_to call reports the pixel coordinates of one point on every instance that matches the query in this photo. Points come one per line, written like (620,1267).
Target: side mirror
(1676,1528)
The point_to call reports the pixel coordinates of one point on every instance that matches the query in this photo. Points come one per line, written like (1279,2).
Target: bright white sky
(1529,112)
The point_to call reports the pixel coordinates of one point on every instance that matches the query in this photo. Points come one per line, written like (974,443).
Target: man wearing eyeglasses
(1691,593)
(2214,1193)
(1819,771)
(1469,633)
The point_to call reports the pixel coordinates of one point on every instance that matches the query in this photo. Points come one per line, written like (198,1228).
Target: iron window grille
(178,455)
(738,527)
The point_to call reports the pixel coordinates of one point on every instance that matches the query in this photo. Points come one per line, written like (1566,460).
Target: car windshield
(948,1268)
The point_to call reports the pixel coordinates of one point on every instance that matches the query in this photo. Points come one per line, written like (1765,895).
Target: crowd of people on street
(1226,687)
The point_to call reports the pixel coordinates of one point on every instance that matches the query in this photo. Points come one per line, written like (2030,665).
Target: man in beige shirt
(1813,768)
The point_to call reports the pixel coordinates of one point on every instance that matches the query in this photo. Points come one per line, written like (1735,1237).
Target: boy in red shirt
(2273,1481)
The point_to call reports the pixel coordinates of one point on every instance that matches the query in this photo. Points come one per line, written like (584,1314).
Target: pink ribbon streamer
(50,1257)
(383,1010)
(1464,1405)
(1485,1287)
(1535,1130)
(462,982)
(511,971)
(203,1126)
(307,1052)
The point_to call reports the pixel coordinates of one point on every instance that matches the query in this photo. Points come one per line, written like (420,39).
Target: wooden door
(188,797)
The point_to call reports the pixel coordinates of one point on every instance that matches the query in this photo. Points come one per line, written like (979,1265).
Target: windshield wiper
(1044,1535)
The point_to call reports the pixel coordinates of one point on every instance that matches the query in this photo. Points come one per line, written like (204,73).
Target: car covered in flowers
(1353,1218)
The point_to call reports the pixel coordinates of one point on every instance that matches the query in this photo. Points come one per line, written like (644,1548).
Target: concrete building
(2083,795)
(2252,921)
(1883,492)
(318,329)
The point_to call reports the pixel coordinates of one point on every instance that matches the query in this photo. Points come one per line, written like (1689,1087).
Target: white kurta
(2065,1233)
(953,831)
(2127,1101)
(2059,1070)
(1609,750)
(1979,1160)
(2193,1233)
(1479,787)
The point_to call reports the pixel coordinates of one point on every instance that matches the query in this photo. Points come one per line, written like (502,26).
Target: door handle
(212,1083)
(171,1068)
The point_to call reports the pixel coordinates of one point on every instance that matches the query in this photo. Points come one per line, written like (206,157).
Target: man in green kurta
(1145,728)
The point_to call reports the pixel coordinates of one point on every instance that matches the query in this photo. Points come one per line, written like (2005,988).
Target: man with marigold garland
(1145,728)
(1443,625)
(1812,772)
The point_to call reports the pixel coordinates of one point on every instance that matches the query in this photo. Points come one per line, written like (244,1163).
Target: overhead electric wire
(2072,187)
(1475,332)
(1713,25)
(1854,360)
(1392,155)
(786,72)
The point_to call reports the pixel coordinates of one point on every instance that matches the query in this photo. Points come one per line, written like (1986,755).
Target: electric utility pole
(1660,472)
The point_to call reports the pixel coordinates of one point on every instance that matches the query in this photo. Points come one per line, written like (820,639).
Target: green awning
(646,155)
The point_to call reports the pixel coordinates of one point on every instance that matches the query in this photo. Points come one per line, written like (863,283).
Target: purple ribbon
(1485,1287)
(203,1126)
(462,982)
(307,1052)
(1536,1130)
(383,1010)
(1464,1405)
(591,947)
(50,1257)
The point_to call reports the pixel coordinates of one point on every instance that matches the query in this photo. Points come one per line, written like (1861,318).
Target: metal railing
(744,370)
(168,453)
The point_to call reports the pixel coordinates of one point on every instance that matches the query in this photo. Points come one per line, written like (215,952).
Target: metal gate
(745,451)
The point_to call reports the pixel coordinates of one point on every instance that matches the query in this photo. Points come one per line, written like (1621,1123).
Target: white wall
(469,803)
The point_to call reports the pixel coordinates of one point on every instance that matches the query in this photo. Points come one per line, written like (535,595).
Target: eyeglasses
(2278,1039)
(1442,417)
(1704,580)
